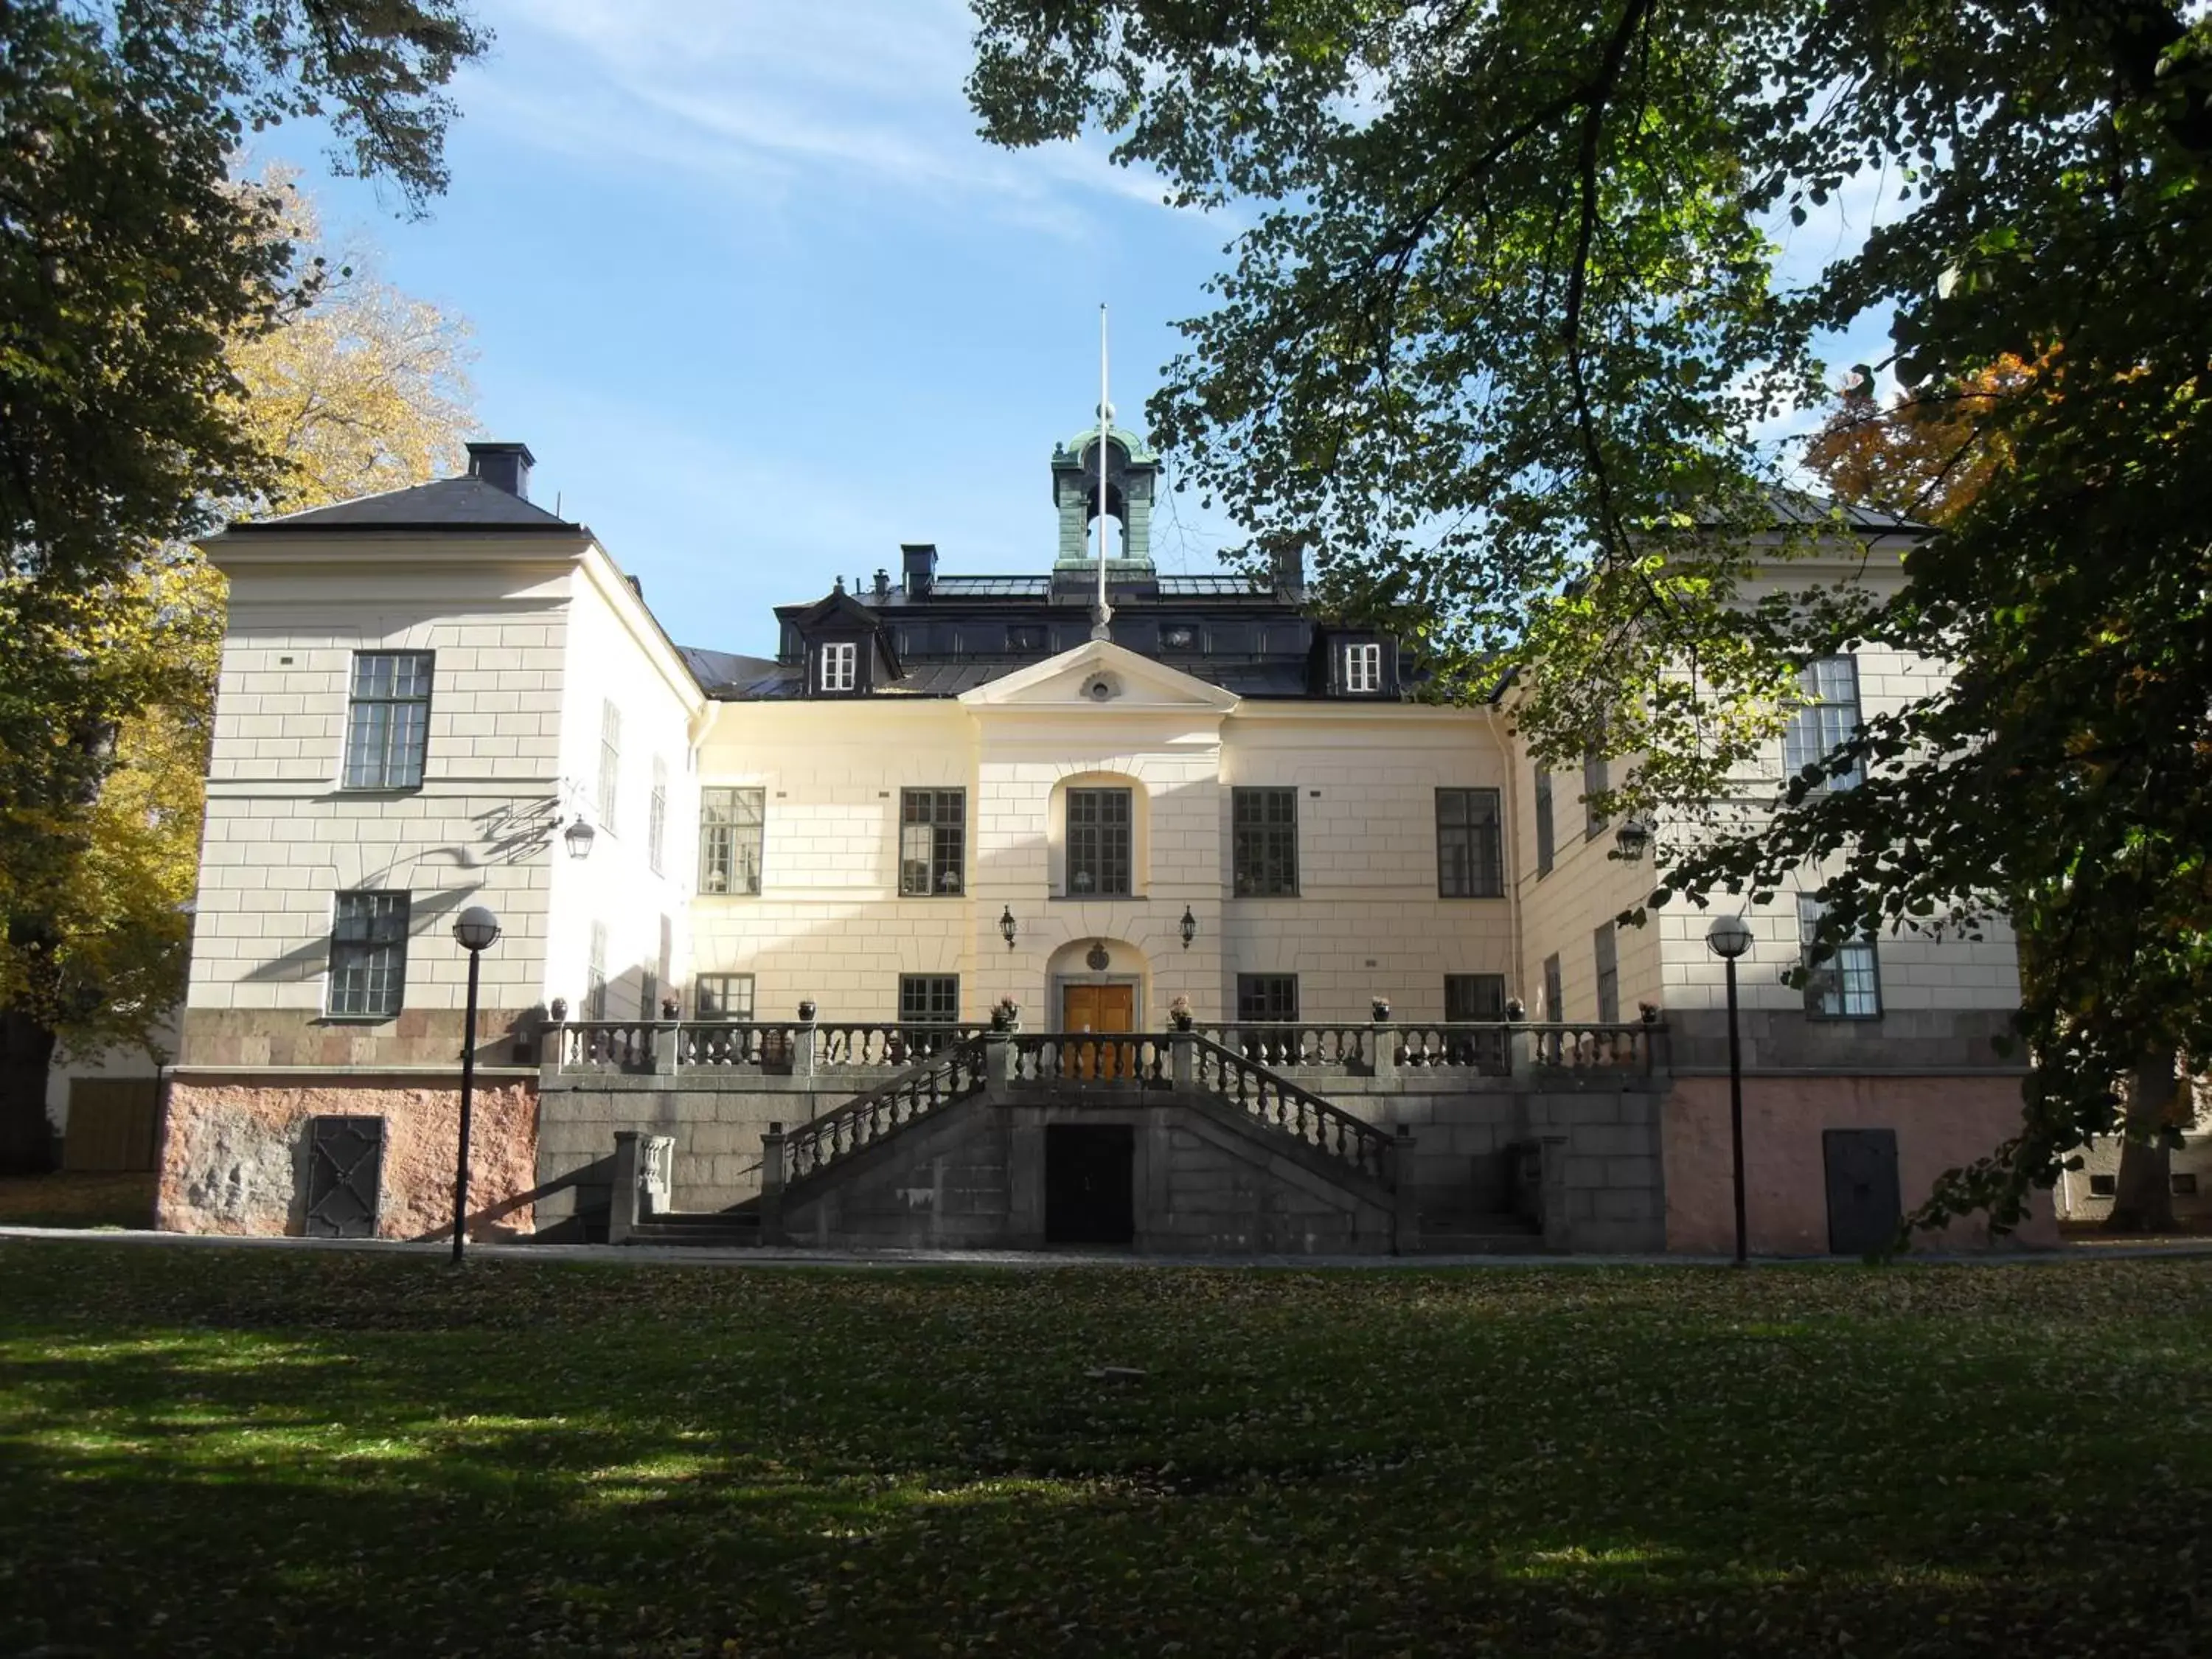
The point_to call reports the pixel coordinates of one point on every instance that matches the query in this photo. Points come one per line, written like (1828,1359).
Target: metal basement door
(345,1170)
(1864,1210)
(1089,1193)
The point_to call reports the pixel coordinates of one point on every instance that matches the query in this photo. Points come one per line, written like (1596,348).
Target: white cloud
(776,102)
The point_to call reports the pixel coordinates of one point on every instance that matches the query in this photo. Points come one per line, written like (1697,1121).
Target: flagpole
(1102,613)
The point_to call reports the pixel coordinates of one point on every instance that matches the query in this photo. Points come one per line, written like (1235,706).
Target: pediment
(1104,677)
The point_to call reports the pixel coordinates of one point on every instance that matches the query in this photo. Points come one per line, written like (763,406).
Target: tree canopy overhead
(134,271)
(1498,343)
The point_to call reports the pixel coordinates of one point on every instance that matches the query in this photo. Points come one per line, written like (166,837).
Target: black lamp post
(1729,938)
(477,929)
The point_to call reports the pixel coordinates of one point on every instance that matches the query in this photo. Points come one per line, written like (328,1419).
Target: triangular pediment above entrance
(1100,674)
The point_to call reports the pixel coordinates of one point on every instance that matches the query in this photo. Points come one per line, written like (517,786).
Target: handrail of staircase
(951,1074)
(1280,1104)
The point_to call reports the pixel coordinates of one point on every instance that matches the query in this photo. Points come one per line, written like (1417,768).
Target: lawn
(265,1452)
(77,1200)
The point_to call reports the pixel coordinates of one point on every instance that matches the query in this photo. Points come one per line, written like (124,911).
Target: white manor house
(1302,963)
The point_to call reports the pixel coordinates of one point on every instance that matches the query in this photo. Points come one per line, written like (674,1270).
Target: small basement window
(2103,1186)
(2185,1186)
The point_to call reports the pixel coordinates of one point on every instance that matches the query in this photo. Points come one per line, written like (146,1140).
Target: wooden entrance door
(1099,1008)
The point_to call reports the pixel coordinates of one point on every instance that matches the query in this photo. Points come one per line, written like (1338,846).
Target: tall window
(1469,862)
(1264,842)
(1544,848)
(1847,985)
(1829,714)
(929,998)
(1554,1002)
(841,665)
(730,826)
(388,720)
(1594,784)
(1363,667)
(1264,998)
(595,974)
(656,822)
(1473,997)
(933,841)
(610,764)
(723,996)
(369,954)
(1605,952)
(1098,842)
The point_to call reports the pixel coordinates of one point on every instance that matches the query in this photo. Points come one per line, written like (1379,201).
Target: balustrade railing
(746,1045)
(1486,1050)
(727,1046)
(1082,1057)
(1345,1048)
(951,1074)
(1571,1046)
(1283,1106)
(605,1045)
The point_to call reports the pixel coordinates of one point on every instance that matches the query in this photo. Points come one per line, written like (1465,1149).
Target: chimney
(920,566)
(883,584)
(1289,569)
(503,466)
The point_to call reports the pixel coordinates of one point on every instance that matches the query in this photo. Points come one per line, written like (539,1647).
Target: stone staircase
(1273,1129)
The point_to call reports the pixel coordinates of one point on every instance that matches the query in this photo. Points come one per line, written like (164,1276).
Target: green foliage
(1495,344)
(214,1449)
(132,269)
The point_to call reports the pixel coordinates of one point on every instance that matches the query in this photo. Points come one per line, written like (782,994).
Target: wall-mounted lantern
(1006,926)
(1187,927)
(579,837)
(1632,838)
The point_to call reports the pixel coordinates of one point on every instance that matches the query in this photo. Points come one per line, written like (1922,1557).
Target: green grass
(259,1452)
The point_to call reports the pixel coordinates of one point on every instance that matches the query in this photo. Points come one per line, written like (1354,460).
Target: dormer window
(1363,667)
(841,665)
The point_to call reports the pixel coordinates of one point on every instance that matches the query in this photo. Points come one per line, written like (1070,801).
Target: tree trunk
(2142,1198)
(26,1052)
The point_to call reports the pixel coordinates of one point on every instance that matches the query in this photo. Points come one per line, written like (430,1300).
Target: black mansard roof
(951,633)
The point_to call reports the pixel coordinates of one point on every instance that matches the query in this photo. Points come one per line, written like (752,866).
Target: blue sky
(763,306)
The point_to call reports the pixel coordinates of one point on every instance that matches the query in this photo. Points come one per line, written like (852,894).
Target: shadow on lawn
(391,1461)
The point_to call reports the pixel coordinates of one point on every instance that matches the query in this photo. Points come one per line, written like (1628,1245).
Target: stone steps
(710,1228)
(1480,1234)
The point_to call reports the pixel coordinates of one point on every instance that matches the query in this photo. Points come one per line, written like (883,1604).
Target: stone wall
(235,1155)
(247,1038)
(1940,1122)
(1204,1182)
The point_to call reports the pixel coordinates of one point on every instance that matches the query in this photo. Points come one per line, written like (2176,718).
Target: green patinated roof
(1070,453)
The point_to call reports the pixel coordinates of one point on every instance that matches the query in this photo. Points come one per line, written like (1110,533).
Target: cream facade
(720,877)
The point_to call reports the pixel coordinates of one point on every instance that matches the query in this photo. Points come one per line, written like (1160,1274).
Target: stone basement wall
(234,1157)
(974,1179)
(1940,1122)
(1612,1181)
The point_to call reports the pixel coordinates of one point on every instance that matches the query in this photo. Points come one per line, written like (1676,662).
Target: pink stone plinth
(234,1156)
(1942,1123)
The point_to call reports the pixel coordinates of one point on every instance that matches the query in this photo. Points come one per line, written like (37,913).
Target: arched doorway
(1098,988)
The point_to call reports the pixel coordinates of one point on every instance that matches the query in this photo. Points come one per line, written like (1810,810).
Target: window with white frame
(1100,843)
(841,665)
(1363,667)
(731,823)
(1825,719)
(656,821)
(1605,952)
(387,720)
(723,996)
(368,954)
(610,764)
(1846,985)
(933,841)
(595,974)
